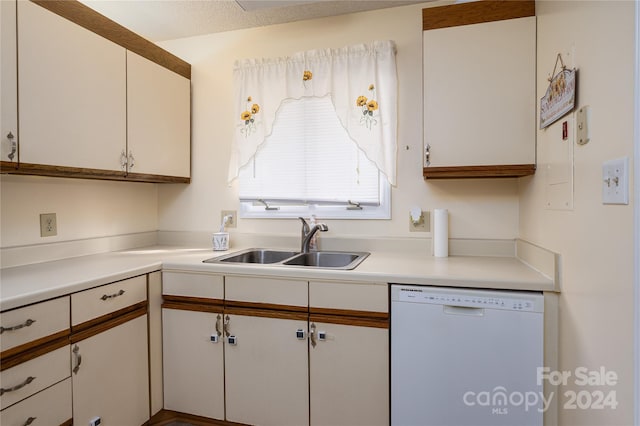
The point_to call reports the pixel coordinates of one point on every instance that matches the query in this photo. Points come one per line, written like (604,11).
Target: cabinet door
(8,82)
(159,119)
(479,93)
(266,371)
(349,375)
(193,363)
(112,378)
(72,91)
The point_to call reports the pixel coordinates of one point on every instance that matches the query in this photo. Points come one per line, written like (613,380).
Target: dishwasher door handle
(463,310)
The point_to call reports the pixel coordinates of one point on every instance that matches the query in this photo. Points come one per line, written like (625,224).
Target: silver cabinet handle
(76,353)
(17,387)
(131,161)
(14,145)
(29,421)
(111,296)
(27,323)
(226,326)
(218,320)
(123,161)
(427,154)
(312,334)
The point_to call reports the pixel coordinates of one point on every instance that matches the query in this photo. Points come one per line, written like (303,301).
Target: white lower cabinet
(349,375)
(52,406)
(193,362)
(253,359)
(266,373)
(111,375)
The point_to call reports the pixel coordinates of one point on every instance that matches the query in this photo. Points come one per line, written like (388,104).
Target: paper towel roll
(440,233)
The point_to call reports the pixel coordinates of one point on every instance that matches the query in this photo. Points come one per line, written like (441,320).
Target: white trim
(250,211)
(636,219)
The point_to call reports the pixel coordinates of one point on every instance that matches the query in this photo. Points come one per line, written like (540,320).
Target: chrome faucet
(308,233)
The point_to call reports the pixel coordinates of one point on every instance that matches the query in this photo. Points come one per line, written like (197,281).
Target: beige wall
(594,240)
(84,208)
(479,209)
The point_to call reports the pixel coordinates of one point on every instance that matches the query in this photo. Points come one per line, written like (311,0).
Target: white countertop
(28,284)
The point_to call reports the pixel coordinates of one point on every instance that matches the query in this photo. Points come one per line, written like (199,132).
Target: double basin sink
(314,259)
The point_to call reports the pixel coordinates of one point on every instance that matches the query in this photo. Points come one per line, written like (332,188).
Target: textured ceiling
(159,20)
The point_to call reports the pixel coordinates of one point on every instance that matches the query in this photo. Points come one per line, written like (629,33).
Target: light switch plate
(615,181)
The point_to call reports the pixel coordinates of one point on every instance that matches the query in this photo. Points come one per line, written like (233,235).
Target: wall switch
(615,181)
(48,225)
(232,222)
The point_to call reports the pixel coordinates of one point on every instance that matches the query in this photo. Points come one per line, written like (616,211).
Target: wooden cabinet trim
(88,18)
(266,306)
(266,313)
(85,173)
(347,320)
(475,13)
(164,417)
(197,307)
(350,313)
(463,172)
(31,350)
(106,322)
(168,298)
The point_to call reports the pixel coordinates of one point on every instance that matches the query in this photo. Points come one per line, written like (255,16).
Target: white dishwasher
(465,357)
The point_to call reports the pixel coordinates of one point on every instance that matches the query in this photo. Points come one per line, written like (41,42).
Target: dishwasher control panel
(513,301)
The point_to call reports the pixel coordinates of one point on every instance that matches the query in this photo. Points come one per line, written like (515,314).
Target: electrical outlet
(232,222)
(48,225)
(422,224)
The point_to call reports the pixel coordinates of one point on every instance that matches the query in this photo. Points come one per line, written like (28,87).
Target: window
(310,165)
(315,133)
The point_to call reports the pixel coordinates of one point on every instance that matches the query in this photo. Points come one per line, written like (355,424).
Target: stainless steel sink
(261,256)
(315,259)
(328,259)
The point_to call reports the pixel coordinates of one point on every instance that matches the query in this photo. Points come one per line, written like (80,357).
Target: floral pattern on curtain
(361,81)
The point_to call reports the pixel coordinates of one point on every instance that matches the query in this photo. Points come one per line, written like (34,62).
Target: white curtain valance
(361,81)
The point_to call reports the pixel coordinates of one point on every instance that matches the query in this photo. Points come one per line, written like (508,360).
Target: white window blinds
(309,159)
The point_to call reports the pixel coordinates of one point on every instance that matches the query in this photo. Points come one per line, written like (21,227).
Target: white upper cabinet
(8,87)
(72,90)
(479,89)
(159,119)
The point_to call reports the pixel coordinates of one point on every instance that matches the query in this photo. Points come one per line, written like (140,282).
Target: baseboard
(166,417)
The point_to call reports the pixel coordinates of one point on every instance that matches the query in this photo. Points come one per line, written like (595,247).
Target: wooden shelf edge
(7,167)
(468,172)
(475,13)
(93,21)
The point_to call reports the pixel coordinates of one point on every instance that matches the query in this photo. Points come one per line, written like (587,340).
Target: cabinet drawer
(99,301)
(351,296)
(33,376)
(193,285)
(35,322)
(50,407)
(276,291)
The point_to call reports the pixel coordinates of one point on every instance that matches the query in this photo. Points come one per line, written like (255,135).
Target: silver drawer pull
(312,334)
(218,321)
(29,421)
(227,320)
(17,387)
(111,296)
(27,323)
(76,353)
